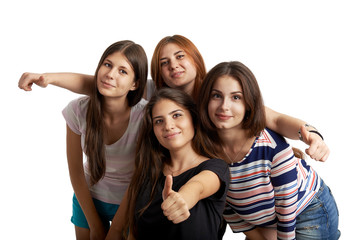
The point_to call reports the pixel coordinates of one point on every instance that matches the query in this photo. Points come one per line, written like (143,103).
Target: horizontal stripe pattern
(269,187)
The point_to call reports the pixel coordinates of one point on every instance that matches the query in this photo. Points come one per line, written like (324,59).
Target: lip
(223,117)
(177,74)
(107,85)
(171,135)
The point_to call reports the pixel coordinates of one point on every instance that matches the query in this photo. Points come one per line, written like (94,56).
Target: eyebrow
(122,66)
(170,113)
(230,93)
(176,53)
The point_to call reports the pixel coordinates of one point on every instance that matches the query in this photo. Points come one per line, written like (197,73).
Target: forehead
(169,50)
(119,59)
(227,83)
(166,106)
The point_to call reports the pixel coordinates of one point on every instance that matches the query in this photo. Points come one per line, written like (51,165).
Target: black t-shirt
(205,216)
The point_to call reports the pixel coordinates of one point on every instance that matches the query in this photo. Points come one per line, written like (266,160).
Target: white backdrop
(299,51)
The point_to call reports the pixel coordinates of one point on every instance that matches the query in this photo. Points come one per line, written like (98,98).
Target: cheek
(164,76)
(211,107)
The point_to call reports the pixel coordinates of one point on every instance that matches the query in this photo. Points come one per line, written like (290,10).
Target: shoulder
(75,114)
(77,106)
(79,103)
(269,138)
(138,110)
(218,166)
(140,105)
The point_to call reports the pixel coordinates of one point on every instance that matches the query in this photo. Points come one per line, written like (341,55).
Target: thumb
(42,82)
(305,134)
(168,187)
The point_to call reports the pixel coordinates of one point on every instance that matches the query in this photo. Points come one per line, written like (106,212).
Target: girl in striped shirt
(272,193)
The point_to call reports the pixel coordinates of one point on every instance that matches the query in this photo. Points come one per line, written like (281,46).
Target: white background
(299,51)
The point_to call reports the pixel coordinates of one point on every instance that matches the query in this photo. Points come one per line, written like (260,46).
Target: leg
(320,219)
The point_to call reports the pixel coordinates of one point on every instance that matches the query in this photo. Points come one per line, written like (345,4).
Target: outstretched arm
(290,127)
(75,82)
(176,205)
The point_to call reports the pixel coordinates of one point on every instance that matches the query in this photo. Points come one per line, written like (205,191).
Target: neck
(115,107)
(230,137)
(235,144)
(182,160)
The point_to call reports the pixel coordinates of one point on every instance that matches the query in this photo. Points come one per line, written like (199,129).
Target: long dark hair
(255,118)
(151,155)
(94,139)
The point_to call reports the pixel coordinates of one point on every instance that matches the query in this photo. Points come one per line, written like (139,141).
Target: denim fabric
(106,212)
(320,219)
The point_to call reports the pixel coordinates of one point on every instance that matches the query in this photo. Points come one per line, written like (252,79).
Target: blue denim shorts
(320,219)
(106,211)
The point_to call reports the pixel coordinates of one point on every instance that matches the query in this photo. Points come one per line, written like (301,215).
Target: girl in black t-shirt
(178,188)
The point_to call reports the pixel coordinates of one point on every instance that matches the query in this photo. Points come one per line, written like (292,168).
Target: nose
(173,64)
(169,124)
(225,104)
(111,73)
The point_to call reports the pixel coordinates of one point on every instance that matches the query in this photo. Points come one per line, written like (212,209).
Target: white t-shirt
(119,155)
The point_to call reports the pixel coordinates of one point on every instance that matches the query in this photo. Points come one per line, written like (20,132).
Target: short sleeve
(75,114)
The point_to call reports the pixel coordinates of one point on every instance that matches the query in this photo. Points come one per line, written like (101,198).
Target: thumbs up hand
(317,150)
(174,206)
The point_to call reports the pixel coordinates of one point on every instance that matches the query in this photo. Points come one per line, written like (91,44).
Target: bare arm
(254,234)
(176,205)
(289,127)
(80,186)
(118,221)
(75,82)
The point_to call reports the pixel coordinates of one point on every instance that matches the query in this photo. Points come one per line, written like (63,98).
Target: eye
(177,115)
(216,96)
(158,121)
(181,56)
(106,64)
(236,97)
(123,71)
(164,63)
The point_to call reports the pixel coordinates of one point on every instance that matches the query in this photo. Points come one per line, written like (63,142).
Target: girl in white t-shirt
(105,126)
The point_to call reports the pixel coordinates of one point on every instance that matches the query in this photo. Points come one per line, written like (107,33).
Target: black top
(205,216)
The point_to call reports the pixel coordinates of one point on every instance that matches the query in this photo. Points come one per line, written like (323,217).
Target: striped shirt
(269,187)
(119,155)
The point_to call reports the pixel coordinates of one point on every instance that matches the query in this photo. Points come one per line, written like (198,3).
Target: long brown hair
(152,155)
(94,139)
(255,118)
(190,49)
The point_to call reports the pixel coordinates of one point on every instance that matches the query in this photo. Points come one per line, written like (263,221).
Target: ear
(135,85)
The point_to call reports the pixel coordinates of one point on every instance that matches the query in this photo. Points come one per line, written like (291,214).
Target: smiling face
(226,107)
(177,68)
(172,125)
(115,77)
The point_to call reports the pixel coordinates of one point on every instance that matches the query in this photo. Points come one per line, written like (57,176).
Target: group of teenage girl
(186,153)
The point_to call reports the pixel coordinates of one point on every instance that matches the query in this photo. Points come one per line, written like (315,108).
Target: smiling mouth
(107,84)
(172,135)
(177,74)
(223,117)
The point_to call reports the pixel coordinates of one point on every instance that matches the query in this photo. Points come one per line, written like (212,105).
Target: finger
(178,218)
(168,187)
(305,134)
(169,201)
(325,157)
